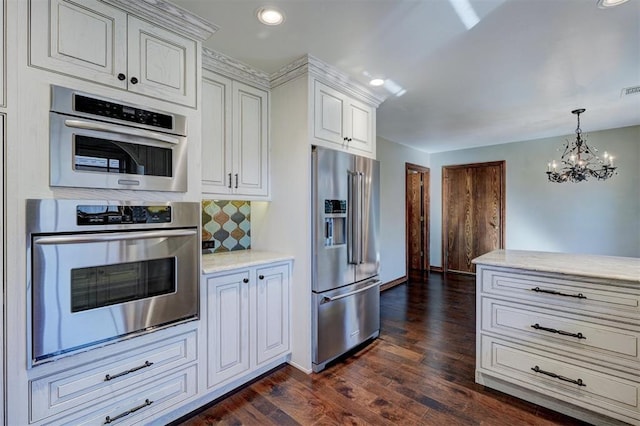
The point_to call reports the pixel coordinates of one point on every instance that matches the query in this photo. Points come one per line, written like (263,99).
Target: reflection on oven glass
(98,286)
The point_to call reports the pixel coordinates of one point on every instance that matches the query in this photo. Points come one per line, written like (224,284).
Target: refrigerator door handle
(360,217)
(352,217)
(327,299)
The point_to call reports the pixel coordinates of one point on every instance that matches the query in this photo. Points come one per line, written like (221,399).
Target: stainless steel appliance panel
(369,218)
(91,284)
(345,318)
(97,142)
(331,267)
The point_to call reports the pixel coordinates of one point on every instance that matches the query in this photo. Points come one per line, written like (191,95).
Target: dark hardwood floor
(420,371)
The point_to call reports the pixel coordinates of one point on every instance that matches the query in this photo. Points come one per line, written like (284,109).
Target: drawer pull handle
(553,330)
(578,382)
(110,419)
(131,370)
(557,293)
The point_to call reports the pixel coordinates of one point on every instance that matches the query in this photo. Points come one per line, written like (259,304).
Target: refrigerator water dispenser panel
(335,222)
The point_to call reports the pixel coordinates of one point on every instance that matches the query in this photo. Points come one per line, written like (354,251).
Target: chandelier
(580,162)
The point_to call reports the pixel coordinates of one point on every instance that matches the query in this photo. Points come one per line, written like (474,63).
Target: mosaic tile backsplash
(226,226)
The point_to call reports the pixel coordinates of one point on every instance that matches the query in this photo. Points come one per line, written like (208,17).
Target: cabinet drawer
(558,376)
(585,296)
(142,402)
(582,335)
(89,384)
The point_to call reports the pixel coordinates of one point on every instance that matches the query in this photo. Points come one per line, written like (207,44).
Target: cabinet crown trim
(169,16)
(329,75)
(234,69)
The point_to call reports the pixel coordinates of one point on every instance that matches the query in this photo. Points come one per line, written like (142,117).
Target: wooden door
(473,204)
(417,211)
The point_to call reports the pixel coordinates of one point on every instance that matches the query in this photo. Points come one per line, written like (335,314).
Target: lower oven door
(88,289)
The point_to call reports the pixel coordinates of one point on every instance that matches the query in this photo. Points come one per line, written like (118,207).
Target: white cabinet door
(94,41)
(360,126)
(328,114)
(86,39)
(342,121)
(235,138)
(216,133)
(227,327)
(161,63)
(272,302)
(250,140)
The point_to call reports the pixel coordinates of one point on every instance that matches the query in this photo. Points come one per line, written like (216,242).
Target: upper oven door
(94,287)
(94,154)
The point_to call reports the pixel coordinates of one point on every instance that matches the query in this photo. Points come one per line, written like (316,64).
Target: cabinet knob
(121,77)
(346,139)
(245,280)
(134,80)
(261,277)
(349,139)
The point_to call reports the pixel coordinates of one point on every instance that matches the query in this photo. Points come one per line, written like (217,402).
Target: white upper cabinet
(235,138)
(91,40)
(342,121)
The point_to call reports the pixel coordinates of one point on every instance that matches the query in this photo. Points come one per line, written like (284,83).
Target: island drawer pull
(553,330)
(131,370)
(578,382)
(110,419)
(557,293)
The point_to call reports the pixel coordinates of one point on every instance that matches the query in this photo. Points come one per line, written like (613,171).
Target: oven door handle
(119,236)
(114,128)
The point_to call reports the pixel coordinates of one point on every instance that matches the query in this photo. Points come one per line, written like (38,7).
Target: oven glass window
(103,155)
(99,286)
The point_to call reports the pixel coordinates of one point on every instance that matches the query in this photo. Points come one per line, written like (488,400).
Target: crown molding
(232,68)
(169,16)
(329,75)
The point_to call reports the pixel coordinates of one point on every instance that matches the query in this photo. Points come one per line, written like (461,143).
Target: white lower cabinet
(247,320)
(566,342)
(133,384)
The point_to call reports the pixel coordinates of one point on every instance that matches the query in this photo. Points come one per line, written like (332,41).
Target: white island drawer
(86,385)
(581,335)
(581,295)
(562,377)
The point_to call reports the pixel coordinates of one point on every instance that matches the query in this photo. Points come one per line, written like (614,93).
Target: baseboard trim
(435,268)
(393,283)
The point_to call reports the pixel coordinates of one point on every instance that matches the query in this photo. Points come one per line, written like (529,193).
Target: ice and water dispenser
(335,222)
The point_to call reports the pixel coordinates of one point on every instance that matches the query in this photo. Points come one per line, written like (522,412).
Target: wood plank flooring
(420,371)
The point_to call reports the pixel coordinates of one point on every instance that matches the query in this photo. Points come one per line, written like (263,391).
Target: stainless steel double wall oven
(102,270)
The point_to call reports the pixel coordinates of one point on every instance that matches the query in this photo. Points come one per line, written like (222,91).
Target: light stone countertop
(218,262)
(586,265)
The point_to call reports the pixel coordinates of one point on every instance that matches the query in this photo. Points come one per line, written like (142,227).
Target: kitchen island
(562,331)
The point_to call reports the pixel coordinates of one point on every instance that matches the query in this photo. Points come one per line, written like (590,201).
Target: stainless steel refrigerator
(345,254)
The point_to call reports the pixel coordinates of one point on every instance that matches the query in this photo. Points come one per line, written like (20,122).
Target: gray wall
(596,217)
(393,157)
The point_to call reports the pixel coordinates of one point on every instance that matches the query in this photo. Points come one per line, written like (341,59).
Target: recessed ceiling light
(377,82)
(270,16)
(603,4)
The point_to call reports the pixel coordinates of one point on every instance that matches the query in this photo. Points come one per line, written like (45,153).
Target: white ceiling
(514,76)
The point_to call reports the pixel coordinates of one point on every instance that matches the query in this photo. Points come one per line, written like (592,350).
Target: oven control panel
(122,215)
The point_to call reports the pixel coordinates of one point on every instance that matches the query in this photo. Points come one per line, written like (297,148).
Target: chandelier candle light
(579,161)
